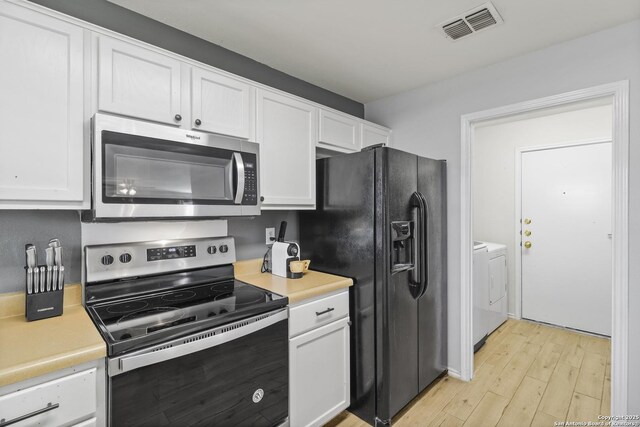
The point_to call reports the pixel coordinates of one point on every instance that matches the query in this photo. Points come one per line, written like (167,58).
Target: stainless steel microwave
(145,170)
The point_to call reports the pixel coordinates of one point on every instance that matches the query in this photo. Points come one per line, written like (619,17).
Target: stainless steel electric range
(187,343)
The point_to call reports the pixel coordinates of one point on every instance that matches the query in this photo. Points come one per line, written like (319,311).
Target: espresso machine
(282,253)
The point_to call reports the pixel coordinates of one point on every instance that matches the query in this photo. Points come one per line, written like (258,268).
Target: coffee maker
(282,253)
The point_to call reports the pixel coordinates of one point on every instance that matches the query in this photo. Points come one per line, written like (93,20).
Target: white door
(41,109)
(138,82)
(287,131)
(566,208)
(220,104)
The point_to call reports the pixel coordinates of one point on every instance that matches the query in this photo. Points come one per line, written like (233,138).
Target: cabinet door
(138,82)
(287,132)
(41,108)
(339,131)
(220,104)
(319,374)
(497,278)
(373,134)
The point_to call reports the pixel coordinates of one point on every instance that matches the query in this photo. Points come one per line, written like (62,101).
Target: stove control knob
(212,249)
(125,258)
(106,260)
(224,249)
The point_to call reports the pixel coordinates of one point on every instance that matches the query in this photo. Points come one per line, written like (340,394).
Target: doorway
(565,229)
(620,148)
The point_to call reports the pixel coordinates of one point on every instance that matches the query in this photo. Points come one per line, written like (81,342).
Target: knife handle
(54,279)
(43,278)
(61,278)
(49,277)
(36,280)
(29,280)
(57,257)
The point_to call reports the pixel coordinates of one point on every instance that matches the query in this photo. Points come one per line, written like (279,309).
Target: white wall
(493,168)
(426,121)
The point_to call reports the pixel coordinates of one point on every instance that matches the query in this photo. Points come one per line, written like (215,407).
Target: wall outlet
(270,235)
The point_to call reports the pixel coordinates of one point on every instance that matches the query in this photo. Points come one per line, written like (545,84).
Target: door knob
(527,232)
(198,122)
(527,244)
(527,220)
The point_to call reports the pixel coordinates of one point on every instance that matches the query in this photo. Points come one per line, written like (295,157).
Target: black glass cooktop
(136,322)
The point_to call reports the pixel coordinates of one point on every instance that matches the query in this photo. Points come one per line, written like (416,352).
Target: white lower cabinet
(72,397)
(93,422)
(319,362)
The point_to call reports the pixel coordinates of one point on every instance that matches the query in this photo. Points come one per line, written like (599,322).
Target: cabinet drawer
(316,313)
(75,396)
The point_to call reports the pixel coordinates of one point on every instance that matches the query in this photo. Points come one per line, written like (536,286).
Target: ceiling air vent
(474,20)
(457,29)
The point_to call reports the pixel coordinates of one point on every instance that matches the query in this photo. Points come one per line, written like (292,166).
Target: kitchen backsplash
(20,227)
(249,233)
(29,226)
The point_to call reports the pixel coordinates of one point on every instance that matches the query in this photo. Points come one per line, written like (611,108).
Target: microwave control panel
(172,252)
(250,181)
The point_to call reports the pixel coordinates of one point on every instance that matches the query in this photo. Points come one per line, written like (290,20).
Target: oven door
(144,170)
(235,375)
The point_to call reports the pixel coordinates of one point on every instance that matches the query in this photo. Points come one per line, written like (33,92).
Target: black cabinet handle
(50,407)
(178,117)
(198,122)
(262,198)
(328,310)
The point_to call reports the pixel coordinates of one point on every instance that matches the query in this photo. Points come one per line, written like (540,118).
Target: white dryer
(498,281)
(480,293)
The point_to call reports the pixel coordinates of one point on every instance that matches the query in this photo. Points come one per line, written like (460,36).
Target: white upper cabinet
(287,132)
(138,82)
(373,134)
(339,131)
(41,110)
(221,104)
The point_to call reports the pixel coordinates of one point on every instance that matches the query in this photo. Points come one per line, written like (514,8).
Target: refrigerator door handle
(424,258)
(418,273)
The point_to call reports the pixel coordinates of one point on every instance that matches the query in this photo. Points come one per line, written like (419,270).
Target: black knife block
(44,305)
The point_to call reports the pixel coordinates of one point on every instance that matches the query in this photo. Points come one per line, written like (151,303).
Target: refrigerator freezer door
(396,306)
(432,305)
(338,237)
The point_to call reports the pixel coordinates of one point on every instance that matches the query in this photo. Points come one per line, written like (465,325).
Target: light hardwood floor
(527,374)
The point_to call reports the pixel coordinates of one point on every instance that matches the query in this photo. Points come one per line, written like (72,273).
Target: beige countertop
(312,284)
(30,349)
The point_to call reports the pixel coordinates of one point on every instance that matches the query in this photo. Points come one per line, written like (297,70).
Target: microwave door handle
(237,158)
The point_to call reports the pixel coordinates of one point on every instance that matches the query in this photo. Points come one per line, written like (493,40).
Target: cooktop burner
(179,296)
(127,323)
(127,307)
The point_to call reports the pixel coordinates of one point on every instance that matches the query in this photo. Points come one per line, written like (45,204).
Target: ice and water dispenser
(402,246)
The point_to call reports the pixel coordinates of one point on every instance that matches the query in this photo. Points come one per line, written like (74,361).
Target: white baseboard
(454,373)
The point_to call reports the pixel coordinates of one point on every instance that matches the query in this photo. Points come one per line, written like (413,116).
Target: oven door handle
(194,343)
(237,158)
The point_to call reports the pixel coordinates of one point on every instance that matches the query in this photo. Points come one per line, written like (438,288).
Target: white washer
(480,293)
(497,282)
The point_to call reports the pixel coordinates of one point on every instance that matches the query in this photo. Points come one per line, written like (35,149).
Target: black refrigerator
(380,219)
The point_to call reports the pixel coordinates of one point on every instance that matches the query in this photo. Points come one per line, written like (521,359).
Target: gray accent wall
(20,227)
(17,228)
(132,24)
(250,232)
